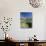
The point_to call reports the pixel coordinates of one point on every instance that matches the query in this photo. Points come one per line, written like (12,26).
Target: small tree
(6,24)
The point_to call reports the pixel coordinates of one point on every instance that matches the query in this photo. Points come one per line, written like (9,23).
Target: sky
(26,14)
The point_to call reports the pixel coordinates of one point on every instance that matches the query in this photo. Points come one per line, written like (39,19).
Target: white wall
(12,8)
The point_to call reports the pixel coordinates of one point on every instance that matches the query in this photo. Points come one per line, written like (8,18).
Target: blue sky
(26,14)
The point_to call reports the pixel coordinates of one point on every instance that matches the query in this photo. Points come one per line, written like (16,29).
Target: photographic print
(26,19)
